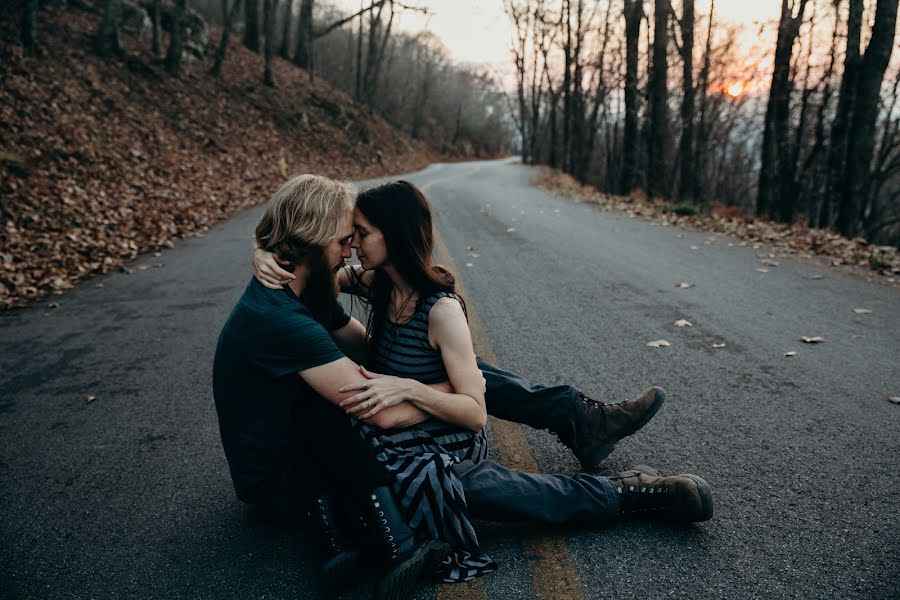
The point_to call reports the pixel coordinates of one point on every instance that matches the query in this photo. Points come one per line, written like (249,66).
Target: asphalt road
(128,495)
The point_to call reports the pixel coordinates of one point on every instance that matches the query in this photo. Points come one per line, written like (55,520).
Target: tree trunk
(269,41)
(686,148)
(700,147)
(303,51)
(231,15)
(359,52)
(837,154)
(634,16)
(29,25)
(156,36)
(107,41)
(770,202)
(285,50)
(865,112)
(176,40)
(251,24)
(658,159)
(567,86)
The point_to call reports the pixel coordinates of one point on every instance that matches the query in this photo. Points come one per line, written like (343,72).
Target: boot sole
(336,573)
(601,452)
(706,499)
(401,582)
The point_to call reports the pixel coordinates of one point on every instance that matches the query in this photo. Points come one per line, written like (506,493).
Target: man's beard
(321,288)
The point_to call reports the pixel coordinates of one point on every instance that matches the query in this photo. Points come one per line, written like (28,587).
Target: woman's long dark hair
(403,214)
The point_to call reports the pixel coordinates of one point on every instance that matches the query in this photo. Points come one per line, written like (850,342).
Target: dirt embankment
(103,160)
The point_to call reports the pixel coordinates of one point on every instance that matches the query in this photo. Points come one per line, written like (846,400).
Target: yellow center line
(551,566)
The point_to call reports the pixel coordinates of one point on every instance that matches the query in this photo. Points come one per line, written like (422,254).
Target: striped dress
(421,458)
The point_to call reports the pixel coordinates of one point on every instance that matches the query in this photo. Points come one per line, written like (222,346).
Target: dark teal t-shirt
(270,336)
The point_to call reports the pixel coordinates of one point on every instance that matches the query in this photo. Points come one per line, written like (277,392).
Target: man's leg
(331,449)
(590,428)
(498,493)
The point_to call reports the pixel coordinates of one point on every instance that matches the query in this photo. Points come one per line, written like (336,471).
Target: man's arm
(326,379)
(353,341)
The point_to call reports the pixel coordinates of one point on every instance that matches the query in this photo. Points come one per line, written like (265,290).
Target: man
(278,339)
(288,446)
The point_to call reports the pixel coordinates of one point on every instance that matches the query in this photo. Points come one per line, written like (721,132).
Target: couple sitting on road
(376,432)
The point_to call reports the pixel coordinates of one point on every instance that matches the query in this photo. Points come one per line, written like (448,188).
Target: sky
(478,31)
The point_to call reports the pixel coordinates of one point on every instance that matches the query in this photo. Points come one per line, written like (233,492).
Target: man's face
(336,253)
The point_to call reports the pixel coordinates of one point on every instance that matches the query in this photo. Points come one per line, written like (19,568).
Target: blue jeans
(497,493)
(510,397)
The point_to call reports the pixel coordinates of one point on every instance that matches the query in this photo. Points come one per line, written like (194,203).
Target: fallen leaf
(659,344)
(685,285)
(718,344)
(862,311)
(683,323)
(791,353)
(894,399)
(812,340)
(91,399)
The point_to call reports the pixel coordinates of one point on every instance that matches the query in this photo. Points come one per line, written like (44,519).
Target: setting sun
(735,89)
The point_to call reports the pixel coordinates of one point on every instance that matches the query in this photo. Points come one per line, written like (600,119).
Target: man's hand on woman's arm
(328,379)
(461,401)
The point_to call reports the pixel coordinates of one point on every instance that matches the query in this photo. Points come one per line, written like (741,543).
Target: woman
(418,331)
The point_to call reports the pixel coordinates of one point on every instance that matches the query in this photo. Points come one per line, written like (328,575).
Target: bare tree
(686,147)
(156,34)
(634,16)
(269,41)
(107,40)
(251,24)
(770,202)
(304,47)
(230,16)
(865,112)
(659,136)
(176,40)
(284,50)
(29,25)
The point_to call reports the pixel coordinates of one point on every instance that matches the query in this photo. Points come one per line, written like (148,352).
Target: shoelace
(592,402)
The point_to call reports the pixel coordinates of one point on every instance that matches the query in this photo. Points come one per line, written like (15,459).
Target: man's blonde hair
(304,215)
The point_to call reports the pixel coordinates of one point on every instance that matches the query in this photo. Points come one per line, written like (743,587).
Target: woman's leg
(497,493)
(590,428)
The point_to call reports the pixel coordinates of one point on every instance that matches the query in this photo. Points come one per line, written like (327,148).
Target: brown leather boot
(604,424)
(643,491)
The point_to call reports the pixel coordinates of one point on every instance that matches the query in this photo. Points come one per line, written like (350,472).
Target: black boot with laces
(406,561)
(339,558)
(643,491)
(601,425)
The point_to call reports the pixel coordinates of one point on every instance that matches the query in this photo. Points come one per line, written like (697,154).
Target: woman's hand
(377,393)
(268,271)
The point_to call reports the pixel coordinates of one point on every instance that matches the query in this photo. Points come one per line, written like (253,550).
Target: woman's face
(368,243)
